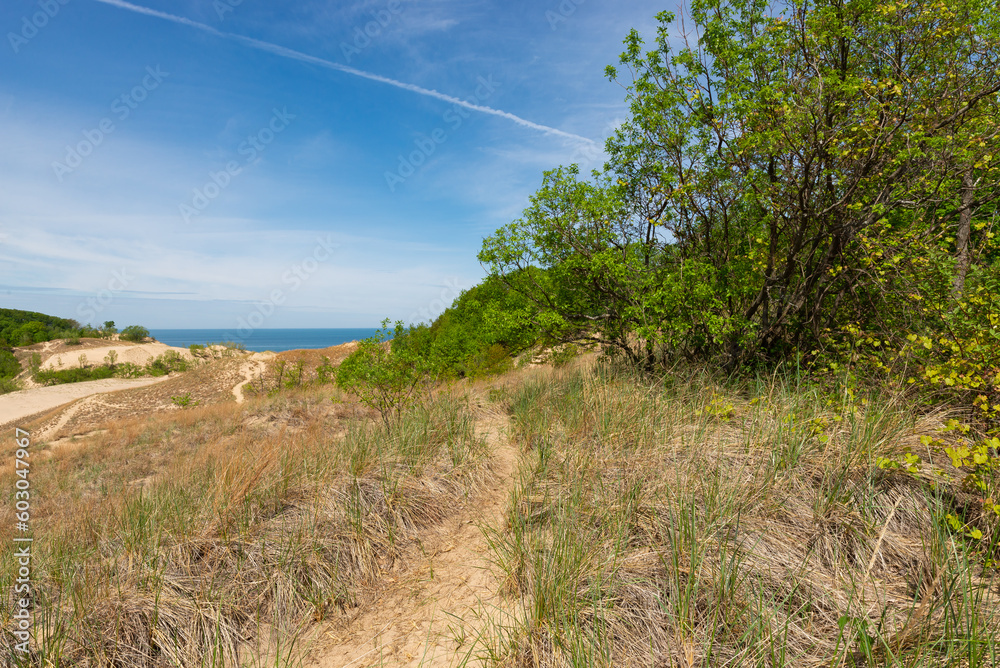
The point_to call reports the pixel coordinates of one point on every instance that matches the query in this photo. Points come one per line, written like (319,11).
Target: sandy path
(252,369)
(23,403)
(435,618)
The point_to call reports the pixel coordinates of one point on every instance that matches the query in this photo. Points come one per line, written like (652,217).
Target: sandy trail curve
(251,369)
(24,403)
(435,618)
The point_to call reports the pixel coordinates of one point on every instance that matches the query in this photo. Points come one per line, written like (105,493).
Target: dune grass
(691,523)
(217,535)
(683,521)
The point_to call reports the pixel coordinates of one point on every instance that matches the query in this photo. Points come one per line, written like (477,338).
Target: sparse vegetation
(649,527)
(183,400)
(167,570)
(168,362)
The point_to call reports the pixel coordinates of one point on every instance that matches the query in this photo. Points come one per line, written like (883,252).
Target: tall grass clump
(694,521)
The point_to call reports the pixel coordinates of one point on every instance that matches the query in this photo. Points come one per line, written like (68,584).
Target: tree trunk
(962,237)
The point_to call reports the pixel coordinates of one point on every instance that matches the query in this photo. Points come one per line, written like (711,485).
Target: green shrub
(165,363)
(325,372)
(384,377)
(76,375)
(478,334)
(9,366)
(128,370)
(134,333)
(184,400)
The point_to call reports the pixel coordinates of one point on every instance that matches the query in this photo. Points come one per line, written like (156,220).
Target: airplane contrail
(306,58)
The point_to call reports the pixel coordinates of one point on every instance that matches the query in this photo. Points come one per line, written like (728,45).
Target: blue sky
(318,164)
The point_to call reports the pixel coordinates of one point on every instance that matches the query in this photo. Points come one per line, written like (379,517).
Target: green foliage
(23,328)
(975,469)
(9,369)
(383,376)
(128,370)
(169,361)
(9,366)
(771,180)
(325,372)
(134,333)
(74,375)
(184,400)
(477,335)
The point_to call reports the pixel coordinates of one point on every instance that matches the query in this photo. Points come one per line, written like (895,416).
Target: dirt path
(253,368)
(24,403)
(434,616)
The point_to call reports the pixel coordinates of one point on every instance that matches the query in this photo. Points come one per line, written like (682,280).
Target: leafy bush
(477,335)
(165,363)
(134,333)
(383,376)
(9,385)
(75,375)
(128,370)
(183,400)
(325,372)
(9,366)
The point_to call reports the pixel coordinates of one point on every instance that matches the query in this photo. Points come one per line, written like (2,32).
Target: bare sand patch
(23,403)
(135,353)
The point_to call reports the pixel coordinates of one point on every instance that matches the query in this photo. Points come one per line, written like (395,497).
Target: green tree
(134,333)
(384,377)
(778,179)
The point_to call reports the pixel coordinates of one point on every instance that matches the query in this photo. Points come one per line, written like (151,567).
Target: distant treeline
(24,328)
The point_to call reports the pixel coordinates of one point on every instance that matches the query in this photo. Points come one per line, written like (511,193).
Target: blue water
(275,340)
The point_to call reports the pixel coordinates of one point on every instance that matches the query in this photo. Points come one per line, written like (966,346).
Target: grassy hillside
(678,521)
(22,328)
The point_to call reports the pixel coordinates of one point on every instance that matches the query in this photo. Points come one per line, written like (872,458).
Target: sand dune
(136,353)
(21,404)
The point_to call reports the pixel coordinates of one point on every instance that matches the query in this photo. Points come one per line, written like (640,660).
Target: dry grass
(683,523)
(216,535)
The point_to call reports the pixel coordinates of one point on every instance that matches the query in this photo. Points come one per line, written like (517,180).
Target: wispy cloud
(306,58)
